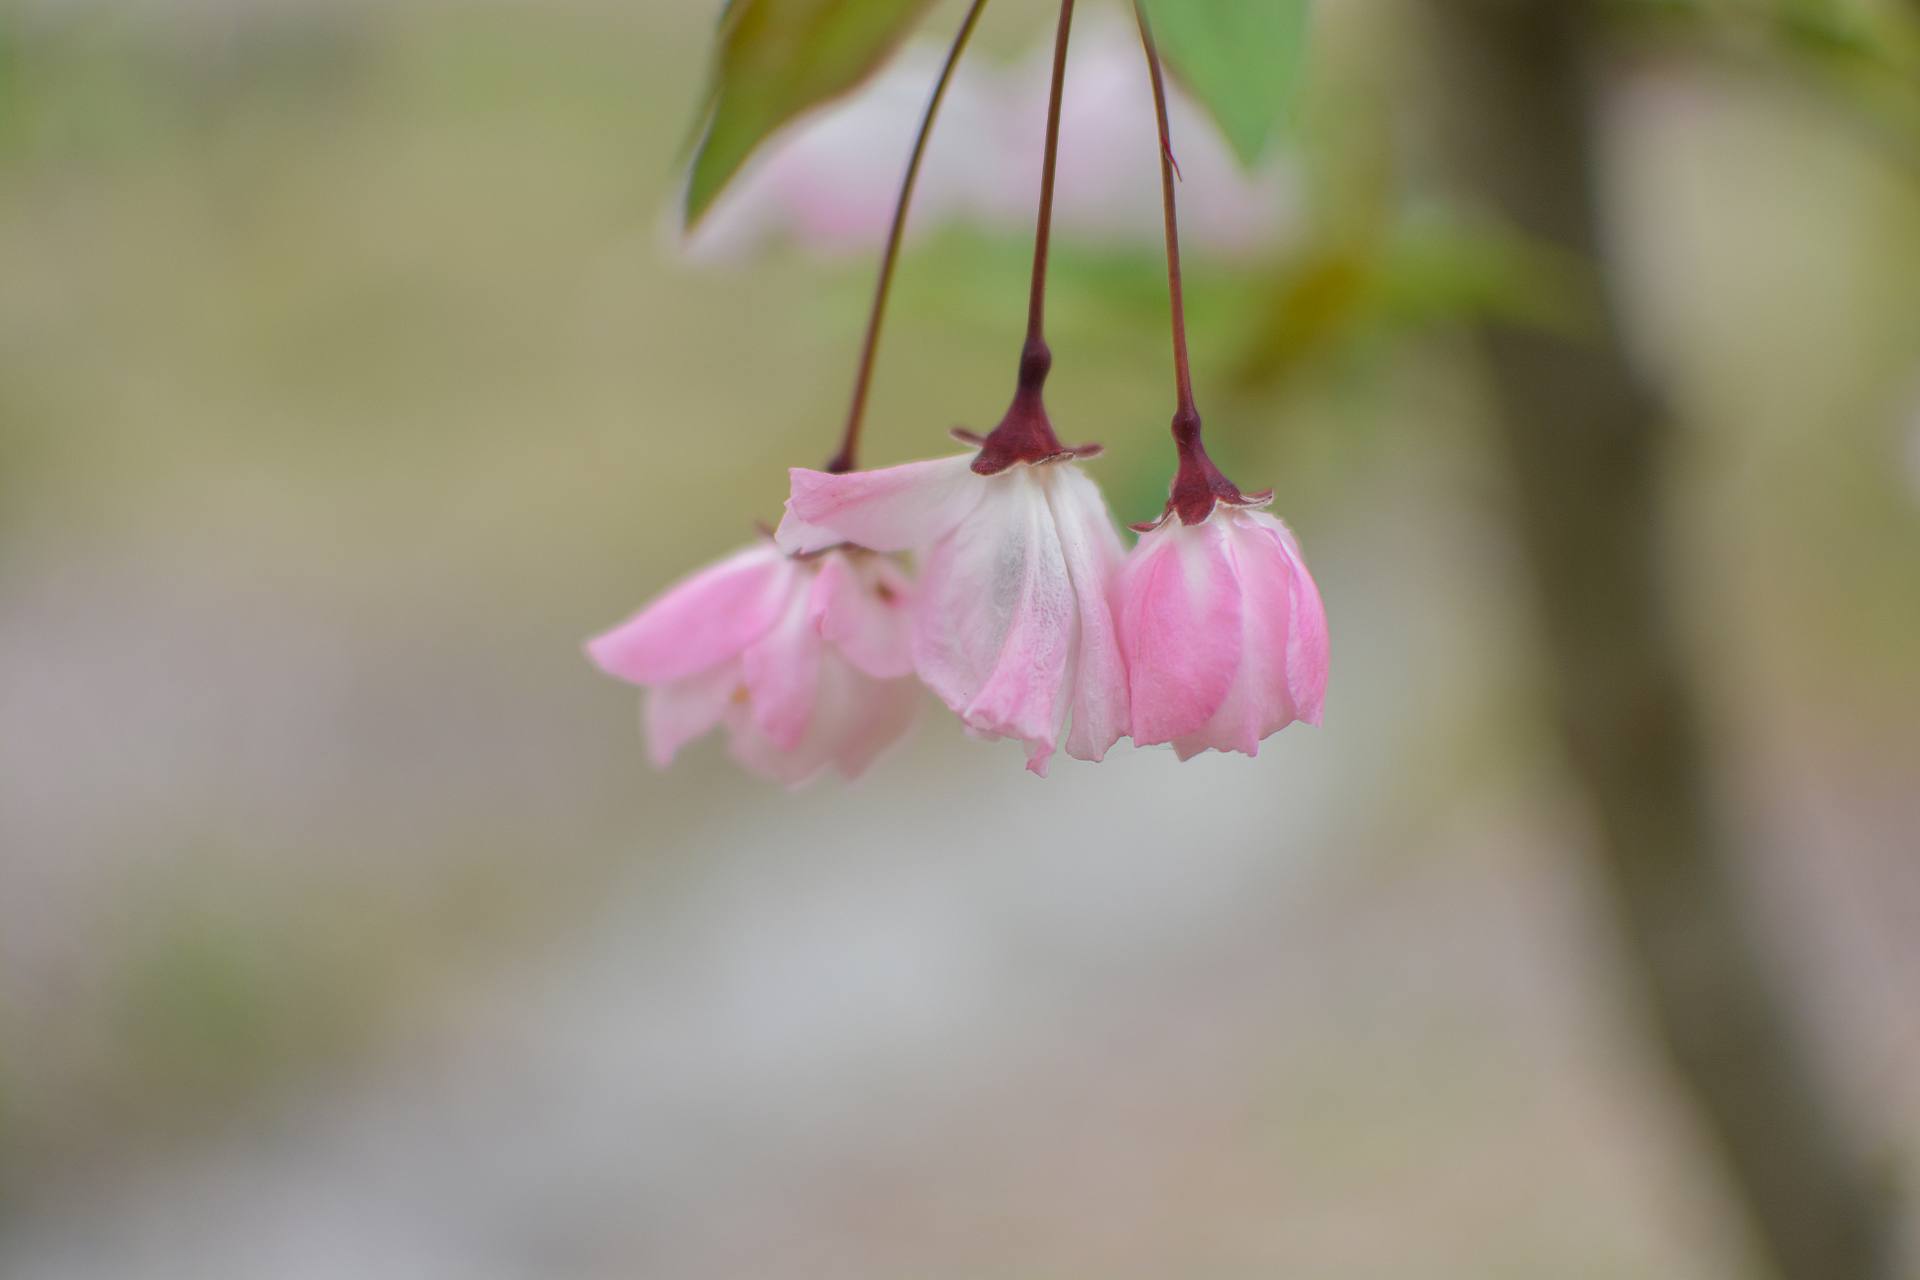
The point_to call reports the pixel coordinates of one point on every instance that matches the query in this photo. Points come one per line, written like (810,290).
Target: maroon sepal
(994,459)
(1025,434)
(1198,486)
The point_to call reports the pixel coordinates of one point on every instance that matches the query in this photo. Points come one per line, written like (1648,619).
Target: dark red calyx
(1199,485)
(1025,434)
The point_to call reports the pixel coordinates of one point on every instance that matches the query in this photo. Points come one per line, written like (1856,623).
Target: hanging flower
(1013,626)
(804,659)
(1224,633)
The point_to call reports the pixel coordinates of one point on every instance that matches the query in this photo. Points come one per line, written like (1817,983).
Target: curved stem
(843,461)
(1186,416)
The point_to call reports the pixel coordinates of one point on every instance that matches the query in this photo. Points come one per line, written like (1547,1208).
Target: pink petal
(1307,643)
(996,616)
(782,673)
(794,764)
(1093,555)
(797,537)
(860,606)
(882,715)
(681,710)
(1182,623)
(855,719)
(700,622)
(894,509)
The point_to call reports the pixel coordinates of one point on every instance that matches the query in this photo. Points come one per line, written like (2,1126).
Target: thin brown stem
(1037,296)
(843,461)
(1186,415)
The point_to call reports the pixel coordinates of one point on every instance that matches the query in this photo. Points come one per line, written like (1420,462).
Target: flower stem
(1186,419)
(843,461)
(1036,344)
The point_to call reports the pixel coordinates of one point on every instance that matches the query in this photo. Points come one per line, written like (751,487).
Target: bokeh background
(351,374)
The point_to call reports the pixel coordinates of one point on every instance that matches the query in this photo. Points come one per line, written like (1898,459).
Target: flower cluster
(1030,618)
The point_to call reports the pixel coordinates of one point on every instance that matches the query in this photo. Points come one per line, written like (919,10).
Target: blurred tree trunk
(1585,438)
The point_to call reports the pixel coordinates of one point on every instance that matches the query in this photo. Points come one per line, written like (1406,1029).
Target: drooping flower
(1222,625)
(1224,633)
(804,659)
(1013,624)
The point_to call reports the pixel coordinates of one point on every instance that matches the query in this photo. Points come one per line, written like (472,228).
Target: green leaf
(1240,58)
(776,59)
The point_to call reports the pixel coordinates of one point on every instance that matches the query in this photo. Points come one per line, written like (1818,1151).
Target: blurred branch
(1586,439)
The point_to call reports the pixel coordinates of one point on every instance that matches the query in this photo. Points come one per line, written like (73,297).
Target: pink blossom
(1013,626)
(1225,637)
(803,659)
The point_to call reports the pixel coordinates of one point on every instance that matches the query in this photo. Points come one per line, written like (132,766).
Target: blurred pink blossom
(1108,188)
(828,182)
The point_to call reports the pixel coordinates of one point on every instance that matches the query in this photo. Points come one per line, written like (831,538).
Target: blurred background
(351,373)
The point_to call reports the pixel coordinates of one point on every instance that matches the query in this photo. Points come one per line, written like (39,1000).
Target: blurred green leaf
(1439,269)
(776,59)
(1430,271)
(1315,300)
(1240,58)
(202,1011)
(10,93)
